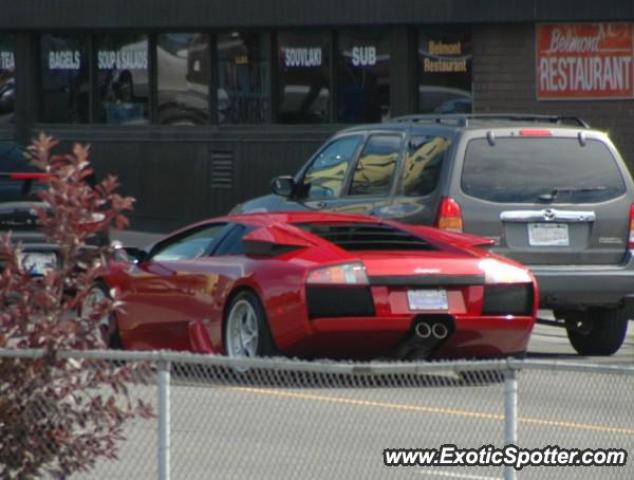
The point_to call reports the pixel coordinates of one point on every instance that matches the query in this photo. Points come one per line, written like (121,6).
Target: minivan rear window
(541,170)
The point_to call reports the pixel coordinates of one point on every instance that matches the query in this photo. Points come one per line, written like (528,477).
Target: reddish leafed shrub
(58,415)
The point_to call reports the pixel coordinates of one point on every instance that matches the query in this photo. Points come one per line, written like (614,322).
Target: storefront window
(363,76)
(123,86)
(7,79)
(303,77)
(444,58)
(183,78)
(243,75)
(65,79)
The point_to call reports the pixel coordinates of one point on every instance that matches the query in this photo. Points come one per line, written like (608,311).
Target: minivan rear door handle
(547,215)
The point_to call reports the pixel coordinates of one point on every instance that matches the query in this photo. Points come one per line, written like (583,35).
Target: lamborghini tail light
(498,272)
(345,274)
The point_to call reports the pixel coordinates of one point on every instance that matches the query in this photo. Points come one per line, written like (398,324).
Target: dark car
(553,193)
(20,183)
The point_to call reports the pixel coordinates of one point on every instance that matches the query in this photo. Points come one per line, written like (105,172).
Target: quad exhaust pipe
(428,333)
(437,330)
(423,330)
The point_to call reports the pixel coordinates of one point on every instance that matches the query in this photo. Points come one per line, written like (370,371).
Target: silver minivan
(553,193)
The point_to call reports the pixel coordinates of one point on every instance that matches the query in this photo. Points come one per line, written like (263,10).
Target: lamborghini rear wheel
(247,331)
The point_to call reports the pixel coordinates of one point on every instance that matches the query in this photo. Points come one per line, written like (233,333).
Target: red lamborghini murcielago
(315,284)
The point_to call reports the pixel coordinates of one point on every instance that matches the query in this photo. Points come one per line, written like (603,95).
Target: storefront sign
(130,58)
(7,61)
(64,60)
(585,61)
(302,57)
(364,56)
(444,57)
(241,60)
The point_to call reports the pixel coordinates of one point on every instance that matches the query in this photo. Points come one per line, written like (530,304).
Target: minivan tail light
(535,132)
(631,239)
(449,215)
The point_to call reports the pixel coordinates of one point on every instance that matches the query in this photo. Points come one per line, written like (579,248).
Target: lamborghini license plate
(428,299)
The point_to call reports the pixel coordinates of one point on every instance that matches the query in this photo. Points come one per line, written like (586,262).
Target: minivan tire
(598,331)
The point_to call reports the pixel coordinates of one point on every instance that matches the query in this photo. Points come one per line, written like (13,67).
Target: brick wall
(504,81)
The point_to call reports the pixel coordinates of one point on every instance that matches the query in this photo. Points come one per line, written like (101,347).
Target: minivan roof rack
(463,119)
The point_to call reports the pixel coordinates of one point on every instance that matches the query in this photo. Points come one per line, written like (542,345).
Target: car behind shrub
(20,183)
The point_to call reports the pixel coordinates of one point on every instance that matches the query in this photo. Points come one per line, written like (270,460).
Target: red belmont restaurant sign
(585,60)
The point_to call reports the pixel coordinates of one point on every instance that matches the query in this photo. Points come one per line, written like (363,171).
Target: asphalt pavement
(318,426)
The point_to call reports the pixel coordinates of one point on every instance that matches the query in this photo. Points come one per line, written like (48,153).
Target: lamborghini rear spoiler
(458,239)
(470,240)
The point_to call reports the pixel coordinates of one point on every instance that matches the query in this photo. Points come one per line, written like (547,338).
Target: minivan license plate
(428,299)
(548,235)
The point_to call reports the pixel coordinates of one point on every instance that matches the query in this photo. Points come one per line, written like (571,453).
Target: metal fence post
(510,415)
(163,420)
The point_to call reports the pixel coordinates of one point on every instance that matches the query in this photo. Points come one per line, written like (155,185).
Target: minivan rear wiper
(554,193)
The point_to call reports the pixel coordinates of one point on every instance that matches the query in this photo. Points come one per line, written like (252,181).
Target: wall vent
(222,170)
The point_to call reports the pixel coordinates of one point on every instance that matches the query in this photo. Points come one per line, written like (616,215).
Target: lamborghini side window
(193,244)
(328,171)
(232,243)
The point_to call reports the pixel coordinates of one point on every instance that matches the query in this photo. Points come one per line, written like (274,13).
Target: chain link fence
(275,418)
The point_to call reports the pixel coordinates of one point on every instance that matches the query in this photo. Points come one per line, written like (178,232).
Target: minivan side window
(376,166)
(328,171)
(423,164)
